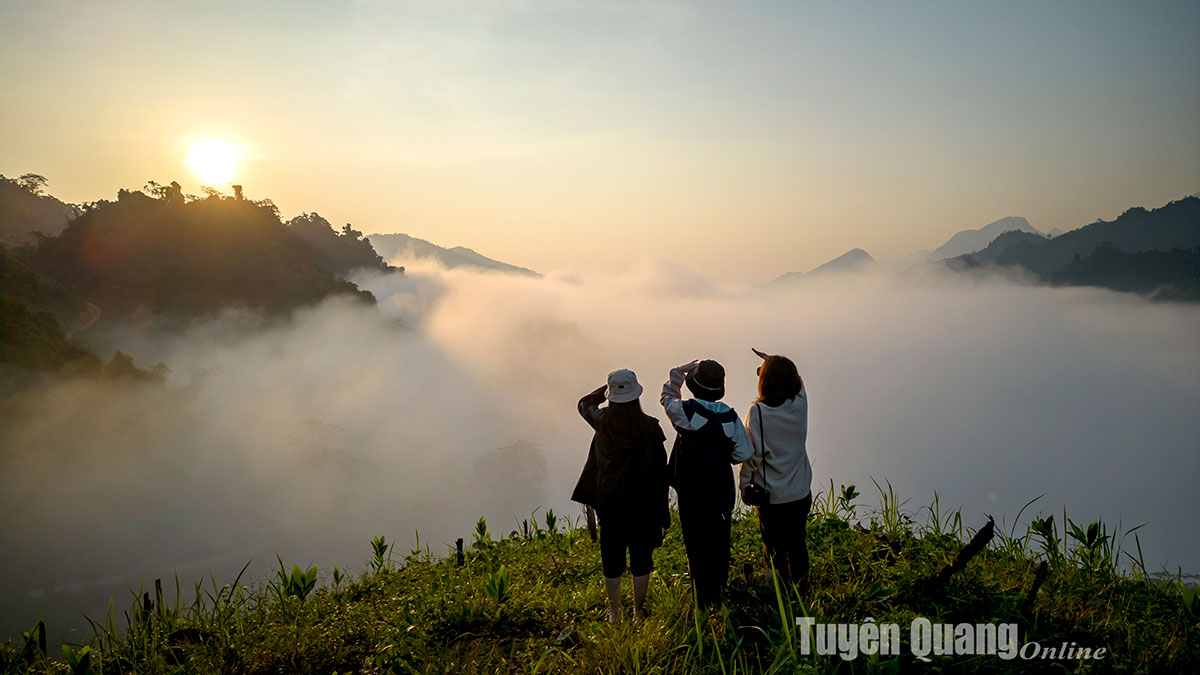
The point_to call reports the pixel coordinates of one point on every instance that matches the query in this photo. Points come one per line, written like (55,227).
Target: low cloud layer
(454,398)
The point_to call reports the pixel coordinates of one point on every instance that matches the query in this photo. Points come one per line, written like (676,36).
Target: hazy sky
(748,139)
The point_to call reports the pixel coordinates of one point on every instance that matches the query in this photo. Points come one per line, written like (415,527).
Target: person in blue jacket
(710,439)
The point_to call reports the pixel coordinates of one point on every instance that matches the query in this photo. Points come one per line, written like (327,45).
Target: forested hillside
(25,208)
(168,257)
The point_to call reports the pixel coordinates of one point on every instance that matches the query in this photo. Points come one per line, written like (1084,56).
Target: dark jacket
(700,459)
(625,472)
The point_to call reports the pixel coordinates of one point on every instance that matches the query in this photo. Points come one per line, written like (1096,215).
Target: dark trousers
(706,538)
(620,532)
(784,534)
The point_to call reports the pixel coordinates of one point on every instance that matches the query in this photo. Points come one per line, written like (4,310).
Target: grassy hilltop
(531,601)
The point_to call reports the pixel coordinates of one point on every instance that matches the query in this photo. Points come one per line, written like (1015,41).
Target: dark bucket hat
(707,381)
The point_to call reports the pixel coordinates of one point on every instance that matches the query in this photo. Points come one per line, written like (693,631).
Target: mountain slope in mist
(34,341)
(966,241)
(854,260)
(969,241)
(405,247)
(24,209)
(167,258)
(1164,275)
(1129,253)
(1004,242)
(339,253)
(31,336)
(1152,252)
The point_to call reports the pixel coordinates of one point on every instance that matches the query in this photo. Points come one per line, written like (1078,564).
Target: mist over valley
(331,402)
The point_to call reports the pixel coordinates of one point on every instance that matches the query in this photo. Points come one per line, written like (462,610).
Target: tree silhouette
(35,183)
(175,193)
(172,194)
(267,204)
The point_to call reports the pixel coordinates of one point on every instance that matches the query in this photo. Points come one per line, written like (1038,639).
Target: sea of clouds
(454,398)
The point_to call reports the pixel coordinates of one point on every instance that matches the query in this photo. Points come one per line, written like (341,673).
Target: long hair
(778,381)
(624,420)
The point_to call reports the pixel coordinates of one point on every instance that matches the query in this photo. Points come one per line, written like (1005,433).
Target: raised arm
(589,405)
(671,393)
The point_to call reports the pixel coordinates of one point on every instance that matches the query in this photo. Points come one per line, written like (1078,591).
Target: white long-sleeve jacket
(782,433)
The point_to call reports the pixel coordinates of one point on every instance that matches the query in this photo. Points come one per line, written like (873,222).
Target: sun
(213,161)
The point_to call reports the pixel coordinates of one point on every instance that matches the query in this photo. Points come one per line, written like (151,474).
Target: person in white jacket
(777,424)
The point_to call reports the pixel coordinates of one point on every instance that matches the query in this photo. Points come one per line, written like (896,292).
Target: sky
(746,139)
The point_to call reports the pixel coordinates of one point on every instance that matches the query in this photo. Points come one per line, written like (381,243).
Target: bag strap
(763,439)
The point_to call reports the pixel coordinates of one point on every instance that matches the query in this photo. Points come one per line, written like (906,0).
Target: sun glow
(213,161)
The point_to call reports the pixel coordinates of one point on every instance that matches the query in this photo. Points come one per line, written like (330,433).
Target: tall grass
(532,602)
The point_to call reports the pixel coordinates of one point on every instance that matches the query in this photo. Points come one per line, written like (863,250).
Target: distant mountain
(24,209)
(1003,243)
(1165,275)
(404,247)
(1055,232)
(1141,251)
(854,260)
(969,241)
(1175,225)
(339,253)
(169,258)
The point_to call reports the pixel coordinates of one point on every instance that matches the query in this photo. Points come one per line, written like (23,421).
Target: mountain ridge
(398,244)
(340,254)
(1153,252)
(854,260)
(1173,225)
(27,211)
(173,258)
(969,241)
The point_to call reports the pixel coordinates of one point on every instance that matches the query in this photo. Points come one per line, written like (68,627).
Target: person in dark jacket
(710,440)
(624,479)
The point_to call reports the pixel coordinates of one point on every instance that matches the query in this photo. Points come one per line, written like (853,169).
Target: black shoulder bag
(753,493)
